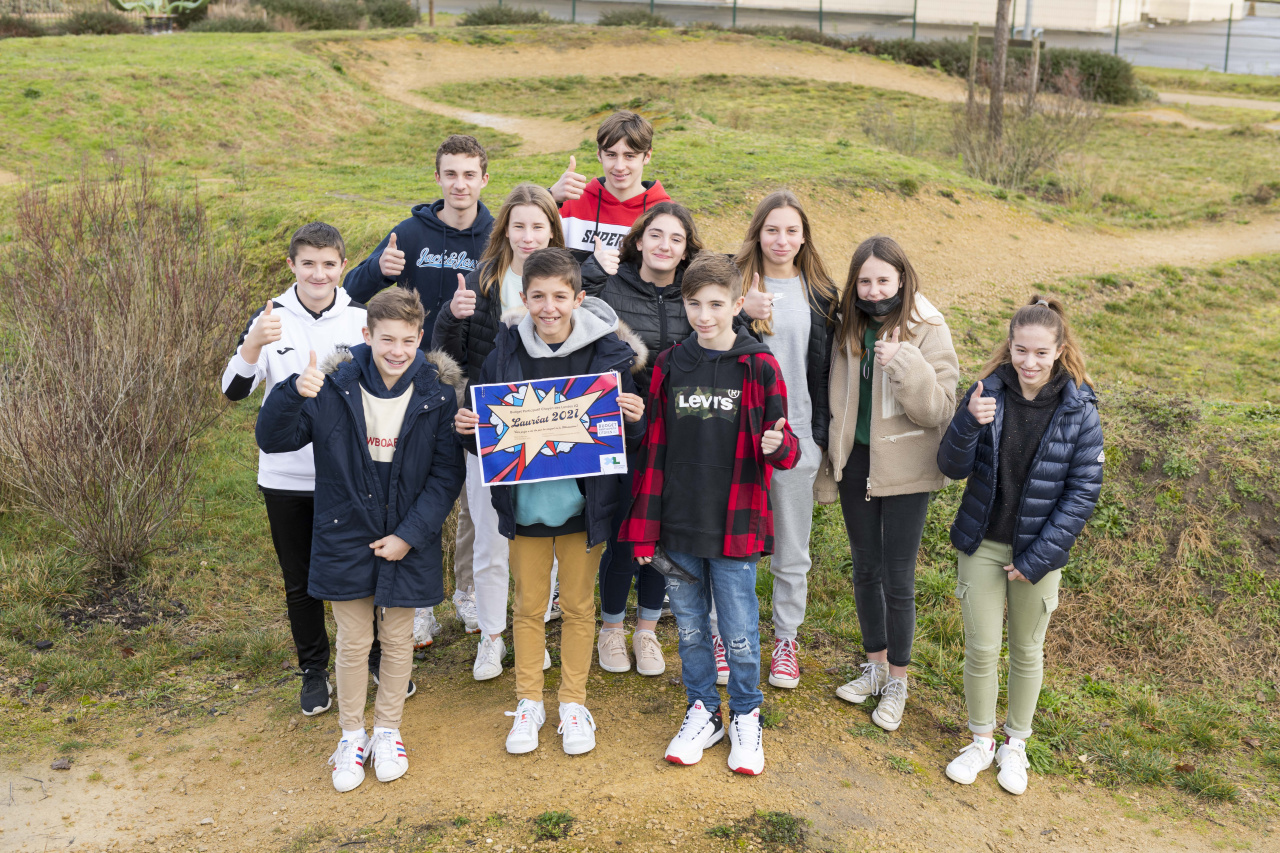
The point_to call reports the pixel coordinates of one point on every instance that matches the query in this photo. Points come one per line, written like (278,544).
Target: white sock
(377,730)
(354,736)
(987,743)
(1016,742)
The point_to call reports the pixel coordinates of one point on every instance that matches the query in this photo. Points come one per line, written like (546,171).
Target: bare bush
(882,126)
(119,308)
(1038,131)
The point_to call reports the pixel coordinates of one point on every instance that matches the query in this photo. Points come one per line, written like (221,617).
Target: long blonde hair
(750,257)
(497,256)
(1047,312)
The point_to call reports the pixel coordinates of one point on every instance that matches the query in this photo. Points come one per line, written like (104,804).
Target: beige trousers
(355,636)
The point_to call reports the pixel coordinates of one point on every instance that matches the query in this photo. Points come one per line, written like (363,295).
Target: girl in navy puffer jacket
(1028,439)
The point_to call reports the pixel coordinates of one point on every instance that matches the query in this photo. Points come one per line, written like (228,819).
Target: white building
(1049,14)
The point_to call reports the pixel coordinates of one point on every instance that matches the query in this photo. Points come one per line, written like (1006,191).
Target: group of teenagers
(751,387)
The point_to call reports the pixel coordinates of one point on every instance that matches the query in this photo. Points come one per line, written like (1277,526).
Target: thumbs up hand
(571,184)
(311,380)
(982,408)
(771,439)
(391,264)
(886,350)
(266,329)
(607,258)
(758,304)
(463,303)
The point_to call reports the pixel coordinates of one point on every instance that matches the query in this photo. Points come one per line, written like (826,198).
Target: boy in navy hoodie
(717,429)
(563,333)
(388,469)
(427,251)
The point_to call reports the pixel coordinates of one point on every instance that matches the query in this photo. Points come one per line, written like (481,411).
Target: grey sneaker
(464,604)
(873,678)
(893,699)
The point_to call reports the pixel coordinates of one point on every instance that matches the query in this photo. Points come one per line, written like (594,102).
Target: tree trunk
(997,72)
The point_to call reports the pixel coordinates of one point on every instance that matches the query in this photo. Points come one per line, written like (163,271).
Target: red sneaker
(784,668)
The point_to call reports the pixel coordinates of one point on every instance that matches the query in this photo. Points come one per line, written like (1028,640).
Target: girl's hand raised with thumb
(982,408)
(886,350)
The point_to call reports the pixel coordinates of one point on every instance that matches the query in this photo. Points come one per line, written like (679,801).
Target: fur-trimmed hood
(513,316)
(448,371)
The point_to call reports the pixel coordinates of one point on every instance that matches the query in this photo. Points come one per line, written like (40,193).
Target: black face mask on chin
(882,308)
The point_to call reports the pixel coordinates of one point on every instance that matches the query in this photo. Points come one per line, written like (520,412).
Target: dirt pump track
(254,778)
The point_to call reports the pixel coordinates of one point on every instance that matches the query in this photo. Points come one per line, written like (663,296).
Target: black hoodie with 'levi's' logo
(704,416)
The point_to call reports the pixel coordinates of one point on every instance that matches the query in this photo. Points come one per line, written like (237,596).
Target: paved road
(1255,42)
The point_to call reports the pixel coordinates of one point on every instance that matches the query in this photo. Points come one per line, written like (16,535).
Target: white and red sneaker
(701,728)
(746,744)
(722,662)
(347,762)
(387,753)
(784,667)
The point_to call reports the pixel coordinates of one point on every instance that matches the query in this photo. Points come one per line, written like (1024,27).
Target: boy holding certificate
(717,429)
(563,333)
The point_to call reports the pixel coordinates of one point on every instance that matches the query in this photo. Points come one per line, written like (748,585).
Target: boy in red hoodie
(717,428)
(606,207)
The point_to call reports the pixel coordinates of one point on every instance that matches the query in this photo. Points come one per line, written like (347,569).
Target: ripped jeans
(733,583)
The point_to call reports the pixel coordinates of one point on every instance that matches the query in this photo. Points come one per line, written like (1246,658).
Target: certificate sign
(549,429)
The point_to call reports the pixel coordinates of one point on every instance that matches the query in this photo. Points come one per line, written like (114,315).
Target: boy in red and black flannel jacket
(717,427)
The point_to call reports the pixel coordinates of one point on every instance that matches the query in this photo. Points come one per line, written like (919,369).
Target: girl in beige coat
(892,394)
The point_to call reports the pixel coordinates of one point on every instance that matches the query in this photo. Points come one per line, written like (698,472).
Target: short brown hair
(632,127)
(317,235)
(630,251)
(552,263)
(395,303)
(708,268)
(467,146)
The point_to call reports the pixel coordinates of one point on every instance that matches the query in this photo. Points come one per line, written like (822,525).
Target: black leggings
(884,538)
(617,567)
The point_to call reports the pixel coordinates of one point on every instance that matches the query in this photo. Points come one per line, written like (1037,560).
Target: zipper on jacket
(662,324)
(868,499)
(893,439)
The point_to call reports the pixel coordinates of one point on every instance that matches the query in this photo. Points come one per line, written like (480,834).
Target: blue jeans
(733,584)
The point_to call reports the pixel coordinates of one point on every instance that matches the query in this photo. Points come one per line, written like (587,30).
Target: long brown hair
(1047,312)
(750,257)
(497,256)
(852,323)
(630,251)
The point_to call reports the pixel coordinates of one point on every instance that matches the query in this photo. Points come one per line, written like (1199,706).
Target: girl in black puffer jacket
(641,283)
(1029,441)
(466,328)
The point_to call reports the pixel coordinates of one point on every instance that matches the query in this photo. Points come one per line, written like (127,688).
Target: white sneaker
(386,751)
(546,660)
(464,604)
(489,659)
(578,728)
(746,746)
(347,762)
(972,760)
(873,679)
(649,660)
(701,728)
(425,627)
(611,649)
(893,699)
(523,737)
(554,611)
(1012,761)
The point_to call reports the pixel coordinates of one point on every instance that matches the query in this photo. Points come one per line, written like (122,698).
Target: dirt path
(1218,101)
(255,779)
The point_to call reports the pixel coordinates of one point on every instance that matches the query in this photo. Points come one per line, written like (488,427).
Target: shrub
(12,27)
(492,16)
(185,19)
(98,24)
(317,14)
(118,307)
(391,13)
(633,18)
(231,25)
